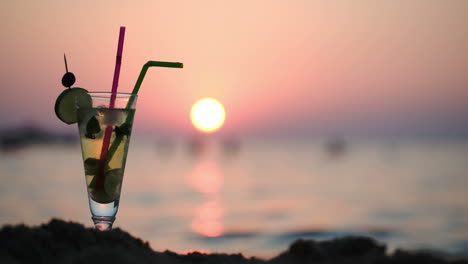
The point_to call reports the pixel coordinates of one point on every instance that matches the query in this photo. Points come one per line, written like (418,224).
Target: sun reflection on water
(207,178)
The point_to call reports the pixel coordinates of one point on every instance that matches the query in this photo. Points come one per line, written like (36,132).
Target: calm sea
(256,197)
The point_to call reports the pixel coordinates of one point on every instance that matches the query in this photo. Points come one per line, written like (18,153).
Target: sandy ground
(68,242)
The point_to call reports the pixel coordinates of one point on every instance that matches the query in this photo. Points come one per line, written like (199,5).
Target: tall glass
(105,130)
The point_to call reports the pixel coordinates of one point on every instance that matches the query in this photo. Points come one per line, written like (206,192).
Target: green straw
(144,69)
(153,64)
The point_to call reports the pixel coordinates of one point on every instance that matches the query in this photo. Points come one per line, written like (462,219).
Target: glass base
(103,223)
(103,214)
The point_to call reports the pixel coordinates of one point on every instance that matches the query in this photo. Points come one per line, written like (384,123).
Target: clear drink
(105,123)
(105,135)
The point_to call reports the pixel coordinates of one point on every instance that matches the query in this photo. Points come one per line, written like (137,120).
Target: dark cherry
(68,79)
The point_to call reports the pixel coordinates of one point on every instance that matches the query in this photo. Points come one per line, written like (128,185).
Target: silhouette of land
(67,242)
(27,135)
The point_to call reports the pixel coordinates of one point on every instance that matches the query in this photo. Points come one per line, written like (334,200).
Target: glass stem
(103,223)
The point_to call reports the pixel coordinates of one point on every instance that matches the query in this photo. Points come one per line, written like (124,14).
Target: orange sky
(297,67)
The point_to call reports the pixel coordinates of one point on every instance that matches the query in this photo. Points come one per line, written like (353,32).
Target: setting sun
(207,114)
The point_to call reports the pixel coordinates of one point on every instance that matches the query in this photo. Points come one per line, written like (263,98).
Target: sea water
(256,197)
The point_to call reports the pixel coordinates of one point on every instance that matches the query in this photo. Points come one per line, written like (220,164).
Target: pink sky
(295,67)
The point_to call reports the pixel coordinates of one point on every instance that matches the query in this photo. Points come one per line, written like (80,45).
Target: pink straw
(108,132)
(118,62)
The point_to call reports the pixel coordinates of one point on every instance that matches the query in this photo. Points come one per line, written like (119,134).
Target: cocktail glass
(105,130)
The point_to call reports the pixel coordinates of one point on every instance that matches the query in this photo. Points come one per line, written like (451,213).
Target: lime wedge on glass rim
(68,103)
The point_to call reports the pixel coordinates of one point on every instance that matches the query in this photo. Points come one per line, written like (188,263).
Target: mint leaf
(90,136)
(123,130)
(91,166)
(93,126)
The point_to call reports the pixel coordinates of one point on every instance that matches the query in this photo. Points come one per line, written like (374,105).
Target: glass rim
(109,94)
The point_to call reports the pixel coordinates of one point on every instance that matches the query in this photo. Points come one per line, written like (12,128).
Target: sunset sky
(297,67)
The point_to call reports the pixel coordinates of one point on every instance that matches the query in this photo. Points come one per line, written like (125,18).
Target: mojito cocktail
(105,123)
(105,136)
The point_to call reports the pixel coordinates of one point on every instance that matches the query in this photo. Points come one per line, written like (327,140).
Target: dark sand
(68,242)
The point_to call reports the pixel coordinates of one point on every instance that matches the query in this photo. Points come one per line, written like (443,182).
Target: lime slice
(69,101)
(113,182)
(101,197)
(112,186)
